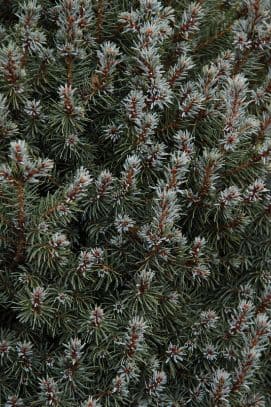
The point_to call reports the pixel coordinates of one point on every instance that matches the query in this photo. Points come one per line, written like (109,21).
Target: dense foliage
(135,240)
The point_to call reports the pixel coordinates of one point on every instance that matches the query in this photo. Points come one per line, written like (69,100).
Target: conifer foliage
(135,240)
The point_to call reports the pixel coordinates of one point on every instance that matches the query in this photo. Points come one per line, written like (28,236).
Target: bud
(184,142)
(104,184)
(88,259)
(255,191)
(131,169)
(208,319)
(143,281)
(120,386)
(123,223)
(230,196)
(68,101)
(210,353)
(25,354)
(59,241)
(196,250)
(220,386)
(5,348)
(97,316)
(157,382)
(71,140)
(77,188)
(37,298)
(18,152)
(33,109)
(49,392)
(90,402)
(134,104)
(135,336)
(113,132)
(14,401)
(241,317)
(74,350)
(190,20)
(175,353)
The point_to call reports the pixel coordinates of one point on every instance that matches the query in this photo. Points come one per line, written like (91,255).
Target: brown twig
(250,163)
(19,255)
(69,64)
(100,20)
(206,183)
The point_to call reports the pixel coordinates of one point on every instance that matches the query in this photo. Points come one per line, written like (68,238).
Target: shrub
(134,203)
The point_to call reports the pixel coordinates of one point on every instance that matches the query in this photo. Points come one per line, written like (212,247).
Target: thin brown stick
(100,20)
(69,64)
(19,254)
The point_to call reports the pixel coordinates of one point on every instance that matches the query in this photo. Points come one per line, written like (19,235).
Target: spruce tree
(135,207)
